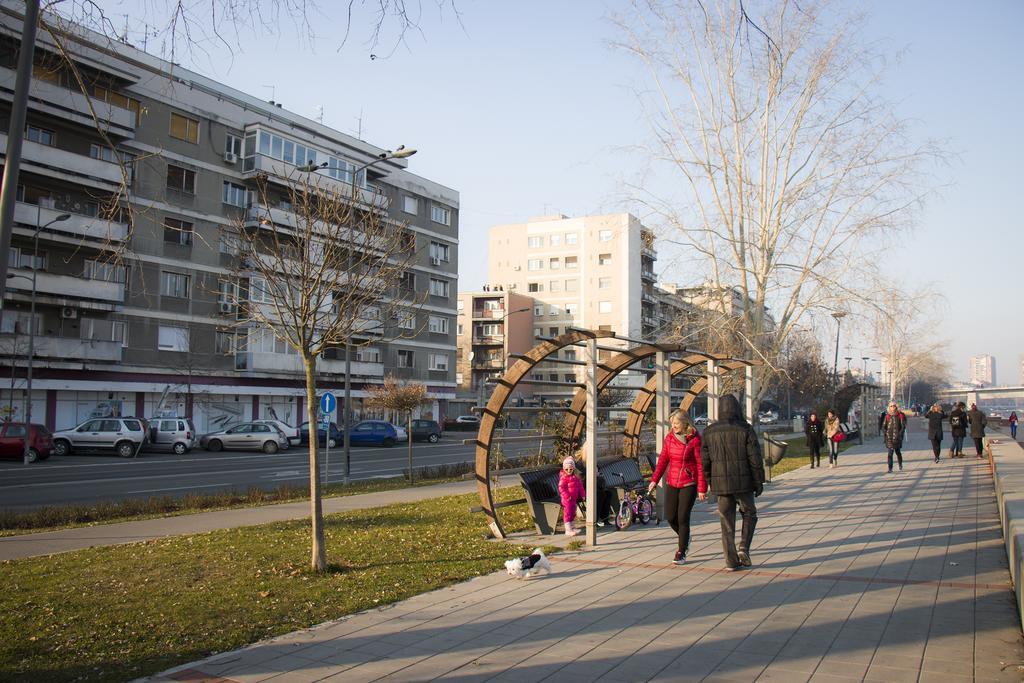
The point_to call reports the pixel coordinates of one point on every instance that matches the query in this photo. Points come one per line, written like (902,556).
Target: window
(91,209)
(438,361)
(604,235)
(459,329)
(570,354)
(572,285)
(172,338)
(534,264)
(184,128)
(538,309)
(538,332)
(175,284)
(534,287)
(407,321)
(40,135)
(439,251)
(604,306)
(107,272)
(408,281)
(233,145)
(265,341)
(259,292)
(51,72)
(97,329)
(18,322)
(604,283)
(236,195)
(555,240)
(555,263)
(537,377)
(119,100)
(228,292)
(438,324)
(441,215)
(410,205)
(535,242)
(571,262)
(438,287)
(19,258)
(552,331)
(368,354)
(555,286)
(177,232)
(604,259)
(570,238)
(225,343)
(571,309)
(569,377)
(490,330)
(553,376)
(405,358)
(181,179)
(103,153)
(227,244)
(552,310)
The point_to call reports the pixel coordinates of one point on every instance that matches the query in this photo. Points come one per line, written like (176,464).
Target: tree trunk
(318,555)
(411,478)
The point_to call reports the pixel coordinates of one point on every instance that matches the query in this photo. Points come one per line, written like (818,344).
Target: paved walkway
(859,575)
(65,540)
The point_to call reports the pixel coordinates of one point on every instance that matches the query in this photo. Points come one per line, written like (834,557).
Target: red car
(12,441)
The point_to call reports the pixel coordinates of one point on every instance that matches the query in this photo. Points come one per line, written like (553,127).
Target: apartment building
(983,370)
(493,323)
(128,312)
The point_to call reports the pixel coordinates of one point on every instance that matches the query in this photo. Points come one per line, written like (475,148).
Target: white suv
(121,435)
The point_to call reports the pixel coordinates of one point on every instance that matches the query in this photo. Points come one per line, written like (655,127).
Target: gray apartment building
(128,313)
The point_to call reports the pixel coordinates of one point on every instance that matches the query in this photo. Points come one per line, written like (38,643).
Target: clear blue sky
(525,110)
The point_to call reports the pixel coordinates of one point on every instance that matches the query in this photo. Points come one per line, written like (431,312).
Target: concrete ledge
(1007,459)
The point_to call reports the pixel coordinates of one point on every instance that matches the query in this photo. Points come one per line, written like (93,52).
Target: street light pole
(32,327)
(400,153)
(838,315)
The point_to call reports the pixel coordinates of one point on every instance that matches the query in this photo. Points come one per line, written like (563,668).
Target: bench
(545,503)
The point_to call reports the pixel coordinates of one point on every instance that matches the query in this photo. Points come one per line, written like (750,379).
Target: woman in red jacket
(684,481)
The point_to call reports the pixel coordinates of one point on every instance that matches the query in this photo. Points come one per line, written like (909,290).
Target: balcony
(285,174)
(648,275)
(79,226)
(67,290)
(68,166)
(62,348)
(70,105)
(488,339)
(488,364)
(292,364)
(489,313)
(648,297)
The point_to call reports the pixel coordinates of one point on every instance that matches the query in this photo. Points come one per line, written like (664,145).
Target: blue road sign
(328,403)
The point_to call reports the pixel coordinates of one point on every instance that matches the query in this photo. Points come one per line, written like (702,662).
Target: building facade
(983,370)
(131,256)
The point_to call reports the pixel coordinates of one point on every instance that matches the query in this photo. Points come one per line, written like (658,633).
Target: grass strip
(115,613)
(798,455)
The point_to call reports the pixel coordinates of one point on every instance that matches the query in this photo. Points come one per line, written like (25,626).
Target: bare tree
(904,324)
(783,167)
(328,272)
(403,398)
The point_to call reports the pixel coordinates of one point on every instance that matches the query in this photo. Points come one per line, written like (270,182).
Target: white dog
(531,565)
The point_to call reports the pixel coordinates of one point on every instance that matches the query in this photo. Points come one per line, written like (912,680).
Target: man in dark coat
(734,471)
(978,423)
(958,430)
(935,416)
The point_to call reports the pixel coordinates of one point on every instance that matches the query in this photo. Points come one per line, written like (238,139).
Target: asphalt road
(90,478)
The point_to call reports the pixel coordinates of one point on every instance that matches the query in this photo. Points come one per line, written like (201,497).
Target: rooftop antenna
(359,128)
(273,92)
(320,113)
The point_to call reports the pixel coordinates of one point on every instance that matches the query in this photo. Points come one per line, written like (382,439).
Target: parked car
(291,432)
(401,436)
(465,423)
(374,433)
(766,418)
(337,436)
(121,435)
(425,430)
(701,421)
(248,436)
(176,434)
(12,441)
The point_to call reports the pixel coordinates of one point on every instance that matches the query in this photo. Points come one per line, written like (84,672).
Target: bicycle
(637,504)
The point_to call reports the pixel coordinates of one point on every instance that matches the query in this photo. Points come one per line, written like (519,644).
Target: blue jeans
(958,444)
(899,457)
(1013,430)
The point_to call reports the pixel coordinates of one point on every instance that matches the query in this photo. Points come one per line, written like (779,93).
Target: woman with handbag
(834,434)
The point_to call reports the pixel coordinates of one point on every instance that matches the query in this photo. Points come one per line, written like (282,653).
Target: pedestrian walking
(833,431)
(894,426)
(815,432)
(734,469)
(935,416)
(957,430)
(571,491)
(680,462)
(978,422)
(1012,421)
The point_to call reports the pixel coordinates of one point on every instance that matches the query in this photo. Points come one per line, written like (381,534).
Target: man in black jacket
(734,470)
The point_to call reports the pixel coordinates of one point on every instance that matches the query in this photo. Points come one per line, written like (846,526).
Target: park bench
(545,503)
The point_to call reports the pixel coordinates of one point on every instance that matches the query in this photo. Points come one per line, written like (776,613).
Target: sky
(526,109)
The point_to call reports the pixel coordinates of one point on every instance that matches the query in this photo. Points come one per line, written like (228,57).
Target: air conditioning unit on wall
(69,313)
(435,261)
(227,307)
(230,157)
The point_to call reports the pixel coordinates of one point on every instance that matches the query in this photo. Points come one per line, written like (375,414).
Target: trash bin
(774,450)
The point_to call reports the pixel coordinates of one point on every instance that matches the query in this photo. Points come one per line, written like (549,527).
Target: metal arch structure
(504,387)
(599,376)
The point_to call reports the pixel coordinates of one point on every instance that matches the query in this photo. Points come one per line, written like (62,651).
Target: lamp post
(401,152)
(32,325)
(838,315)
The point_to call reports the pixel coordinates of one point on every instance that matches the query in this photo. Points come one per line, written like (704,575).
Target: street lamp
(401,152)
(865,359)
(838,315)
(32,323)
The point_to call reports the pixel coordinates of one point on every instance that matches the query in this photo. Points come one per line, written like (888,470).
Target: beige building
(983,370)
(492,323)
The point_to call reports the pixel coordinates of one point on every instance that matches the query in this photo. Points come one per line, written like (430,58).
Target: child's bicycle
(637,504)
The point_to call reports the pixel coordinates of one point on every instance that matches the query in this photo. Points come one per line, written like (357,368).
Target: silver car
(248,436)
(176,434)
(121,435)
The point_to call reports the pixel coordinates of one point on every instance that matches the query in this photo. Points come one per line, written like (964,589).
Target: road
(91,478)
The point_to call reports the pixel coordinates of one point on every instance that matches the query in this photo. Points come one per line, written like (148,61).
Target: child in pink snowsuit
(570,487)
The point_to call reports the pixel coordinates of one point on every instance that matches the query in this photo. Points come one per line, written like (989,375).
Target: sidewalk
(859,575)
(65,540)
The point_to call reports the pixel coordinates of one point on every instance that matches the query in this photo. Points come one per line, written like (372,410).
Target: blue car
(373,433)
(337,436)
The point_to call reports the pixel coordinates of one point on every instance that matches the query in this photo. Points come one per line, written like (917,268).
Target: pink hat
(568,463)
